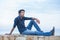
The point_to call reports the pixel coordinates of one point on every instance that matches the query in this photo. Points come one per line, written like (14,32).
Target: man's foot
(53,31)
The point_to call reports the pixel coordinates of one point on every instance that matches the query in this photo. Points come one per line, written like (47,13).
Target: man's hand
(37,20)
(8,34)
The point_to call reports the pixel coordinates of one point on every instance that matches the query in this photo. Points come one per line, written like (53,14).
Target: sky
(47,11)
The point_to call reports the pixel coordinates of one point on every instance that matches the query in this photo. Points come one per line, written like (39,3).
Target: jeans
(38,32)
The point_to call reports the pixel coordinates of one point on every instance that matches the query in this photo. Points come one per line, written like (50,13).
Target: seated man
(19,22)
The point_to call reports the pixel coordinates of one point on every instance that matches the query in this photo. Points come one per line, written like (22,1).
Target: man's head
(21,12)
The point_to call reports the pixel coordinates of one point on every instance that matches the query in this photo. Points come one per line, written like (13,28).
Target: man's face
(22,13)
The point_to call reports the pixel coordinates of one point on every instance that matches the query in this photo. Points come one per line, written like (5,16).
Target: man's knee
(32,21)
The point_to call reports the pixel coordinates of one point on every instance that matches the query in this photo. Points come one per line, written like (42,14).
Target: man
(19,22)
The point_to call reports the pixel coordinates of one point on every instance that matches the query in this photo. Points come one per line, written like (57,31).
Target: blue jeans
(38,32)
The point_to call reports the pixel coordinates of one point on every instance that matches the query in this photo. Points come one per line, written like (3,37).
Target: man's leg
(32,22)
(29,32)
(51,33)
(38,32)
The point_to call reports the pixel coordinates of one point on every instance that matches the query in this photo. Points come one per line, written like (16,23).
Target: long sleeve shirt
(20,23)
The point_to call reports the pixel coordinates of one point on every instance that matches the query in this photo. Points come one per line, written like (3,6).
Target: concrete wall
(25,37)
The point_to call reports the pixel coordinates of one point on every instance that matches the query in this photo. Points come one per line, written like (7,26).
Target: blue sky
(48,11)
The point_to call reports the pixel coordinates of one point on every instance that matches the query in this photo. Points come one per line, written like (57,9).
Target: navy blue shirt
(20,23)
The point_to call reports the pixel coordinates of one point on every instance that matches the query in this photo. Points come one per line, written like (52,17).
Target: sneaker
(53,31)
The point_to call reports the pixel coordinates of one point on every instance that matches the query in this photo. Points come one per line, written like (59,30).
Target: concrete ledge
(29,37)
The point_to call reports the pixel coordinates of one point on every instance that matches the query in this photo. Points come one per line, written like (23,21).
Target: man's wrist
(34,18)
(10,33)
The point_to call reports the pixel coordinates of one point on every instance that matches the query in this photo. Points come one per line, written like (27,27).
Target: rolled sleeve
(15,22)
(28,18)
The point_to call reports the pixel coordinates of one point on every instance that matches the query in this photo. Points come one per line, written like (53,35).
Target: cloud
(48,11)
(40,6)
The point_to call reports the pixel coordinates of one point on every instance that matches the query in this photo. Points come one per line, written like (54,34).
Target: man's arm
(27,18)
(37,20)
(32,18)
(15,23)
(12,30)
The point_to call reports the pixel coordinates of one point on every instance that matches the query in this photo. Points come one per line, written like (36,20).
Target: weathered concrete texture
(29,37)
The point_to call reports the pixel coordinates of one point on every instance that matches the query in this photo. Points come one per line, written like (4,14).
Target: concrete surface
(29,37)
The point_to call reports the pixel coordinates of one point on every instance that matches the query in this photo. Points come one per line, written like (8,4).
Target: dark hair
(21,10)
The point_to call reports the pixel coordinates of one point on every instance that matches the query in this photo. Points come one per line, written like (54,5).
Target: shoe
(53,31)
